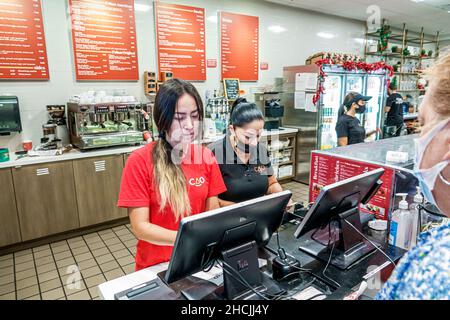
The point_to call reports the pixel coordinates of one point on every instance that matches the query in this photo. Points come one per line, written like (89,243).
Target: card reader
(152,290)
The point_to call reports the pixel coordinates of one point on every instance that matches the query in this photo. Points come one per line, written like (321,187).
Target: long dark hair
(347,104)
(169,177)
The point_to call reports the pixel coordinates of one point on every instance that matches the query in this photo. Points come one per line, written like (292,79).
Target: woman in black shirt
(348,128)
(243,161)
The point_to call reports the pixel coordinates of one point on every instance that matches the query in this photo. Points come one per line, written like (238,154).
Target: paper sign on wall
(309,105)
(299,100)
(305,81)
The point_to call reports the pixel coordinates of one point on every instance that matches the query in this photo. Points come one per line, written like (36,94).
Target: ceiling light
(276,29)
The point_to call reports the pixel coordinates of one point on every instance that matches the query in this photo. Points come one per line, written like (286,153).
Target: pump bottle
(400,229)
(415,217)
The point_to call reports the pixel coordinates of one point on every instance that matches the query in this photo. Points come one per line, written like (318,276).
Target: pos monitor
(231,235)
(334,220)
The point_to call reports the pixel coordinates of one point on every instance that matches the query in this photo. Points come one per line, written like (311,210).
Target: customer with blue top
(424,271)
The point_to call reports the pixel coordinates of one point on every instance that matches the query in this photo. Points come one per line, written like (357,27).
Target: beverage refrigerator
(317,124)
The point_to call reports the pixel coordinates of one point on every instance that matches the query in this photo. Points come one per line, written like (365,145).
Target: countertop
(77,154)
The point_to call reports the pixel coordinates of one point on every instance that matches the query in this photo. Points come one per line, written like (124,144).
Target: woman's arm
(343,141)
(212,203)
(225,203)
(274,187)
(146,231)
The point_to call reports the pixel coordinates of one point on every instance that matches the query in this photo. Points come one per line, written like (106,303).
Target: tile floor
(72,269)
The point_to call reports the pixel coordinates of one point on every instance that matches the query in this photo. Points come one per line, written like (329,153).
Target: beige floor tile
(60,248)
(100,252)
(83,295)
(83,257)
(6,263)
(95,280)
(44,260)
(105,258)
(25,274)
(62,255)
(122,232)
(108,236)
(94,292)
(41,248)
(71,278)
(69,270)
(65,262)
(71,289)
(89,272)
(80,250)
(46,267)
(7,270)
(6,257)
(24,266)
(8,296)
(50,285)
(109,266)
(87,264)
(119,228)
(36,297)
(24,258)
(112,241)
(97,245)
(129,268)
(126,260)
(6,279)
(78,244)
(114,274)
(63,298)
(74,240)
(53,294)
(121,253)
(28,292)
(42,253)
(43,277)
(59,243)
(7,288)
(130,243)
(116,247)
(132,249)
(25,283)
(106,231)
(22,253)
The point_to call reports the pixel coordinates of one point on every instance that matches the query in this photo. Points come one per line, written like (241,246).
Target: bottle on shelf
(415,217)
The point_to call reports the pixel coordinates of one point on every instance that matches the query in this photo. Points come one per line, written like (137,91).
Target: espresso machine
(97,125)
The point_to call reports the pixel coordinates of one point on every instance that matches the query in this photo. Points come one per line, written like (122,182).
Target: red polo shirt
(138,189)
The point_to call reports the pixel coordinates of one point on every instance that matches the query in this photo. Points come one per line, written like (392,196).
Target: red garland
(350,66)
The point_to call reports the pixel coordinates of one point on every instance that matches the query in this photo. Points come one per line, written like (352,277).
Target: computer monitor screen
(337,206)
(202,238)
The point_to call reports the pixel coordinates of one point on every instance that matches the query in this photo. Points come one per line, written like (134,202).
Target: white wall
(291,47)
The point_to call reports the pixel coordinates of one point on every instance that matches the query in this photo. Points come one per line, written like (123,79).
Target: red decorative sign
(239,46)
(104,39)
(211,63)
(23,54)
(326,169)
(180,39)
(264,66)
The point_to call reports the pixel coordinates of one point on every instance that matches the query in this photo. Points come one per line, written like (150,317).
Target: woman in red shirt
(171,178)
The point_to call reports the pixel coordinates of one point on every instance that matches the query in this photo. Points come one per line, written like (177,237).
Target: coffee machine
(97,125)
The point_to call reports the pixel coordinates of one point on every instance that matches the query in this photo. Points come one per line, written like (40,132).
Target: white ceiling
(433,15)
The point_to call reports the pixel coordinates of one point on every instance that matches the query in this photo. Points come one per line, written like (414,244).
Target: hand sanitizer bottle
(415,217)
(400,229)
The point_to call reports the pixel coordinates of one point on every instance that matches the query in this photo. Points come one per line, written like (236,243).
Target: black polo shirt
(244,181)
(350,127)
(395,115)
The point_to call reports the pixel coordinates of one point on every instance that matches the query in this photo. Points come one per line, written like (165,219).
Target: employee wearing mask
(243,161)
(348,128)
(424,272)
(165,181)
(394,112)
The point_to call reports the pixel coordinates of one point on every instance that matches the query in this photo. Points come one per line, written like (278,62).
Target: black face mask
(361,109)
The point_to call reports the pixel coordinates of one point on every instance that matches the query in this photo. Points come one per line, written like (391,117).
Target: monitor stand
(350,246)
(239,263)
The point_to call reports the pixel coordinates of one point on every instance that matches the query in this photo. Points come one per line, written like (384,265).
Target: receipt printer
(152,290)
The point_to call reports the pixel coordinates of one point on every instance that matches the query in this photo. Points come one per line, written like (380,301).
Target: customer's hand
(290,206)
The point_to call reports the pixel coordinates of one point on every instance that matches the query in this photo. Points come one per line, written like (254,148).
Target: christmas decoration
(348,65)
(385,33)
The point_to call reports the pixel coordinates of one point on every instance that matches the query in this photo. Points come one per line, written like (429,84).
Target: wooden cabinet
(45,197)
(9,222)
(97,182)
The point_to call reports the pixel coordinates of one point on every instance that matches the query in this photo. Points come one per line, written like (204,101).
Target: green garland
(385,33)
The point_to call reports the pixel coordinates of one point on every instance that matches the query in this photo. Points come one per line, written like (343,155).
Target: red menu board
(104,39)
(180,39)
(326,169)
(239,46)
(23,53)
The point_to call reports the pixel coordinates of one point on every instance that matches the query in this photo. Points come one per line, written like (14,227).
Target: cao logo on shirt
(197,182)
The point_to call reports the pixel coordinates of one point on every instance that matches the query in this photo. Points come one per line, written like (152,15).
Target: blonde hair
(439,76)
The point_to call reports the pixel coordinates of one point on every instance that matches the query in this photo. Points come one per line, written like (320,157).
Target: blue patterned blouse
(424,272)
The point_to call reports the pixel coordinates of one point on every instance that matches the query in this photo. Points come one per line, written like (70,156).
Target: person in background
(394,113)
(244,162)
(348,128)
(162,182)
(424,271)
